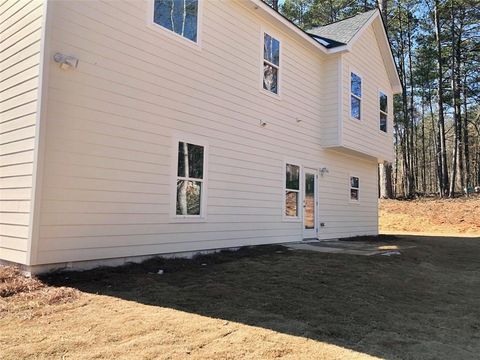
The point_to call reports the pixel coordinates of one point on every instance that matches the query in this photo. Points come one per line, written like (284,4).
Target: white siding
(106,189)
(20,41)
(365,135)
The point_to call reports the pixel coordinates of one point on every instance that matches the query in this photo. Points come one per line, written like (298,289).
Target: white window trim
(298,218)
(353,71)
(350,188)
(274,35)
(380,91)
(173,35)
(191,139)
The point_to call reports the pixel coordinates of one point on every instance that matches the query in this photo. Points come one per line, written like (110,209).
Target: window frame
(353,71)
(173,35)
(194,140)
(299,217)
(380,91)
(350,187)
(275,36)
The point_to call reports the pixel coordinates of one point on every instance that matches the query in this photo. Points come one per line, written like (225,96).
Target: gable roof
(341,32)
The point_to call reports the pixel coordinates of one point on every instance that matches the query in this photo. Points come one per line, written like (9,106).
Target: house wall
(365,135)
(106,188)
(20,47)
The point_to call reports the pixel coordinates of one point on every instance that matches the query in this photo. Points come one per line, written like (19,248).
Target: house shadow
(393,307)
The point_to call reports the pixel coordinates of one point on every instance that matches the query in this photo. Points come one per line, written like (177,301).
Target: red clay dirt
(433,216)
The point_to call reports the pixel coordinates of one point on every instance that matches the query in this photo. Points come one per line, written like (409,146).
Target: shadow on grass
(421,304)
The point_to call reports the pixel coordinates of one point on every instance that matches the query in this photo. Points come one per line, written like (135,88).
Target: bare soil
(431,216)
(259,303)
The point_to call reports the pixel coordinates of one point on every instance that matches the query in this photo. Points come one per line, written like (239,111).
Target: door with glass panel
(310,179)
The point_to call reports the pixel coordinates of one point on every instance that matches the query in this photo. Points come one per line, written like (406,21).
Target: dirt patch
(434,216)
(267,303)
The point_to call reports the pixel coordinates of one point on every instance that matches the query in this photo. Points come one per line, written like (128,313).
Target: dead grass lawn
(266,303)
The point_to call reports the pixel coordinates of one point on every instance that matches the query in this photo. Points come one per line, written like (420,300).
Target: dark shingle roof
(340,32)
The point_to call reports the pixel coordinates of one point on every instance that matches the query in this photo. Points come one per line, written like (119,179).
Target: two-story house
(135,128)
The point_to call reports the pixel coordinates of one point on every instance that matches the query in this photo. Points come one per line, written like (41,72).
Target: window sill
(291,219)
(174,36)
(271,94)
(187,220)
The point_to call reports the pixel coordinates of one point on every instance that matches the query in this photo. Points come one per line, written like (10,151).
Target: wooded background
(436,46)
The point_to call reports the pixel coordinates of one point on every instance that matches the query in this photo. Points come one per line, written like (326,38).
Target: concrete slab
(346,247)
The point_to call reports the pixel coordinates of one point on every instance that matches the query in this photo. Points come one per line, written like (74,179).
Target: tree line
(436,46)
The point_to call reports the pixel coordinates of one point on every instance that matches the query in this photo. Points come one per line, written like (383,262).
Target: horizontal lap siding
(20,37)
(365,135)
(107,183)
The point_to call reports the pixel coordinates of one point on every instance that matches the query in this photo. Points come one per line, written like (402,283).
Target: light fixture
(323,171)
(66,62)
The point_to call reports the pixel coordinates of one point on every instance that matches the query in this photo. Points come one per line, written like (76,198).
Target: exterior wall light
(66,62)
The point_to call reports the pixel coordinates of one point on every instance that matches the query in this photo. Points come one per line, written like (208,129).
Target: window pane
(309,207)
(292,177)
(179,16)
(354,182)
(354,194)
(270,78)
(383,122)
(291,203)
(189,195)
(190,160)
(383,102)
(271,49)
(355,107)
(356,84)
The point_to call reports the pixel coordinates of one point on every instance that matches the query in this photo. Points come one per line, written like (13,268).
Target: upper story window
(190,180)
(354,188)
(383,102)
(292,190)
(271,63)
(178,16)
(356,96)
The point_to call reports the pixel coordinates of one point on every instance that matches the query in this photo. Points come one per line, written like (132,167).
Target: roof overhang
(375,21)
(265,10)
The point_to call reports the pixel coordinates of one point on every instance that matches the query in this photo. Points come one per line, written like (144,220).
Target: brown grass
(431,216)
(263,303)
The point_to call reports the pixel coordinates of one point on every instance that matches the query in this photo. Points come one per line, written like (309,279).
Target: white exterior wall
(107,168)
(365,135)
(20,57)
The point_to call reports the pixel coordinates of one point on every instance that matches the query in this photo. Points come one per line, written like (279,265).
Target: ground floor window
(292,190)
(354,188)
(190,180)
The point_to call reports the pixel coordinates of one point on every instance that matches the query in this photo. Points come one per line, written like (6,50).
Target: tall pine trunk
(441,116)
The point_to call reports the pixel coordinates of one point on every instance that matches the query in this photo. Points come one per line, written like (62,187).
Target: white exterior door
(310,179)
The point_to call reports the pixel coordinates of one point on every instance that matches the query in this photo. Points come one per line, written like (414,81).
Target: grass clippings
(28,296)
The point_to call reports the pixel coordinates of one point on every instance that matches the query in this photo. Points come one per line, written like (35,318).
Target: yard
(266,302)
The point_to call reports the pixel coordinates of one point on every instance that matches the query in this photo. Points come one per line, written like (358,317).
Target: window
(292,190)
(190,179)
(354,188)
(356,96)
(271,63)
(178,16)
(382,98)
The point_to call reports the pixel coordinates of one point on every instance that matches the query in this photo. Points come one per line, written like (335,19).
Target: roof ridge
(348,18)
